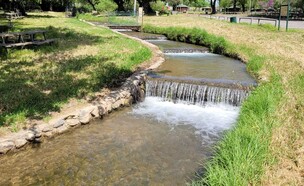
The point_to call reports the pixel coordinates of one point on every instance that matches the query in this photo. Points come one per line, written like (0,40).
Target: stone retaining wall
(132,91)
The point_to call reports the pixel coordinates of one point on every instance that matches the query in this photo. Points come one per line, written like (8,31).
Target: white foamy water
(210,119)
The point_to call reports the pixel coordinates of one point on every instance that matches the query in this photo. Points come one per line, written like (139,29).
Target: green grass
(110,19)
(194,35)
(90,17)
(37,80)
(243,152)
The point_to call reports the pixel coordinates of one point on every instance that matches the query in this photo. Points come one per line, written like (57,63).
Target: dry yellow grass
(284,52)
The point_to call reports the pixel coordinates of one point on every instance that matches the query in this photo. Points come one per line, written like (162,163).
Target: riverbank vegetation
(37,80)
(265,146)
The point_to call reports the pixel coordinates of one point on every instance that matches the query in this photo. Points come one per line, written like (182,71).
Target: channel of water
(164,140)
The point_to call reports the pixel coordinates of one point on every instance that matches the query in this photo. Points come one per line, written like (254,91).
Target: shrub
(106,6)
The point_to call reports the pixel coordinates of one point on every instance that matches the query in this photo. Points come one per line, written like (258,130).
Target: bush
(106,6)
(160,7)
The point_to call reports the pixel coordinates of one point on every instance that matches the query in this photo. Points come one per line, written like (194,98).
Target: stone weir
(198,93)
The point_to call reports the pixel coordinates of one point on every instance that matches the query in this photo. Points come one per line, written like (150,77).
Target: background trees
(124,5)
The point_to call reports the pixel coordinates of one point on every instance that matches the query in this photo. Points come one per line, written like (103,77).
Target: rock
(62,129)
(72,122)
(102,110)
(141,95)
(30,136)
(85,116)
(95,112)
(136,82)
(44,127)
(117,104)
(6,146)
(48,134)
(38,134)
(47,128)
(128,101)
(20,142)
(58,123)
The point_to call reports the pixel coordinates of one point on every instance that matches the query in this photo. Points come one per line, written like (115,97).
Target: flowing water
(153,143)
(164,140)
(194,94)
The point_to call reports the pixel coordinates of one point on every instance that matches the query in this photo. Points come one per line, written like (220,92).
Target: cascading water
(193,93)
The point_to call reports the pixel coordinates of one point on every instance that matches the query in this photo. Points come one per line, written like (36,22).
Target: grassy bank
(110,19)
(267,136)
(37,80)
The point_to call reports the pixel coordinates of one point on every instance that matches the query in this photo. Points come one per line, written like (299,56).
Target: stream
(165,140)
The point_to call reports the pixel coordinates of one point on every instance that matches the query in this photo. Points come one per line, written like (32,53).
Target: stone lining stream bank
(130,92)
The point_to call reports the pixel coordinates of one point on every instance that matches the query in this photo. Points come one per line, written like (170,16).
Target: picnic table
(21,39)
(13,15)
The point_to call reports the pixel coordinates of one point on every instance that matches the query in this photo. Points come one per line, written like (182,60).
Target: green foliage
(225,3)
(196,3)
(159,6)
(90,17)
(255,64)
(192,35)
(106,6)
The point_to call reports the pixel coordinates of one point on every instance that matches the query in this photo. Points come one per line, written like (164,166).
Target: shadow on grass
(33,88)
(37,92)
(39,16)
(66,39)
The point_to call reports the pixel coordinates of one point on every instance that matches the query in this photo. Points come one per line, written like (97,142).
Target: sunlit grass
(84,59)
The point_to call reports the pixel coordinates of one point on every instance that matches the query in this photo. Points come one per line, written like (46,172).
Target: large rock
(85,116)
(62,129)
(117,104)
(57,123)
(95,112)
(6,146)
(29,136)
(72,122)
(20,142)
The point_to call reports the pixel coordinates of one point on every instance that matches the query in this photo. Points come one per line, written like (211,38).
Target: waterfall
(194,93)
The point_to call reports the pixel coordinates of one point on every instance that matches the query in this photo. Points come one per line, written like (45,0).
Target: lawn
(273,115)
(38,80)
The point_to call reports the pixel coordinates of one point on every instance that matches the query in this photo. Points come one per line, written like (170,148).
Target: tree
(146,5)
(212,5)
(225,3)
(106,6)
(243,4)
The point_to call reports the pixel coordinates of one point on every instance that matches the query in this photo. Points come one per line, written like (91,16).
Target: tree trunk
(146,5)
(243,7)
(92,4)
(120,4)
(212,4)
(234,5)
